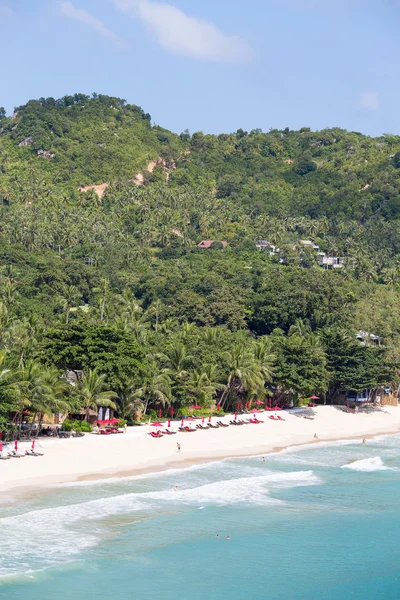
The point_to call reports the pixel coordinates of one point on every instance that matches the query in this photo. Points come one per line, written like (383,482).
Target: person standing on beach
(264,459)
(364,441)
(125,428)
(178,447)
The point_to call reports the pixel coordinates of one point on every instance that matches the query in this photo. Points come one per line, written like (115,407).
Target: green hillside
(115,281)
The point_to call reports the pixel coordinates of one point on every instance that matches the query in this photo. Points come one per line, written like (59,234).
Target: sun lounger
(273,418)
(221,424)
(33,453)
(155,435)
(280,418)
(211,426)
(4,457)
(14,454)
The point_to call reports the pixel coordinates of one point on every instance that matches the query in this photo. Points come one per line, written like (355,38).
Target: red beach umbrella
(197,407)
(209,419)
(160,413)
(172,411)
(169,423)
(16,445)
(314,397)
(156,424)
(202,421)
(258,402)
(1,446)
(33,444)
(182,422)
(235,416)
(218,407)
(190,419)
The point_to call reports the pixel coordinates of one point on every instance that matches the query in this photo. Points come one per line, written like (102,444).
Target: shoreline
(102,458)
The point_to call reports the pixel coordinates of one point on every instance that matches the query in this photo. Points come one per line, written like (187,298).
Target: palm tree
(70,295)
(244,372)
(104,291)
(94,393)
(128,400)
(175,360)
(156,390)
(265,357)
(156,309)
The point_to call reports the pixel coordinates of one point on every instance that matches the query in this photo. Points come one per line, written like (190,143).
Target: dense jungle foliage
(111,282)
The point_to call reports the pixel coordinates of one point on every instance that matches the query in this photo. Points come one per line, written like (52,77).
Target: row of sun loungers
(204,427)
(7,455)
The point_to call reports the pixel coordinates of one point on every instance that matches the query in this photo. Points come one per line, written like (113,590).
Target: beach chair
(280,418)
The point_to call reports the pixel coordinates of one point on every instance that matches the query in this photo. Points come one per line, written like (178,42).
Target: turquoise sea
(317,523)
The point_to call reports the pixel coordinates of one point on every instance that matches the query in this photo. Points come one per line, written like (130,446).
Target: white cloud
(69,11)
(369,100)
(5,11)
(182,34)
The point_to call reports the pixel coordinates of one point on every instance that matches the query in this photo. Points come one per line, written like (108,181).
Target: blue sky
(212,65)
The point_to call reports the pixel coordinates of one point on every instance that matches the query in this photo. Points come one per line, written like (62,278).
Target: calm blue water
(318,523)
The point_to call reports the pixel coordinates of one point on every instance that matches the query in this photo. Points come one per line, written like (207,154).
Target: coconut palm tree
(128,400)
(244,372)
(265,357)
(68,299)
(93,392)
(157,390)
(175,359)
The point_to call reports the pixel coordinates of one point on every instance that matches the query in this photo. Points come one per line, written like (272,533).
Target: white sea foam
(251,490)
(368,465)
(50,536)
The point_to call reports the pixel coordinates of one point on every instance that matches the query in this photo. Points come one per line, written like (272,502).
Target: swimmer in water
(364,441)
(264,459)
(227,537)
(217,536)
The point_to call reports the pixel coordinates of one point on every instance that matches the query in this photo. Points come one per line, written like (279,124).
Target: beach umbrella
(190,419)
(1,446)
(160,413)
(218,407)
(172,411)
(16,445)
(314,397)
(254,410)
(169,423)
(156,424)
(209,419)
(235,416)
(33,444)
(182,422)
(258,402)
(202,421)
(197,407)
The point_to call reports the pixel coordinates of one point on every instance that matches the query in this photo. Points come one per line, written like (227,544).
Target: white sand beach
(96,457)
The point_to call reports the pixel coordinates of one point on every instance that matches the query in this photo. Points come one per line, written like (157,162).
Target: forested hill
(79,140)
(117,281)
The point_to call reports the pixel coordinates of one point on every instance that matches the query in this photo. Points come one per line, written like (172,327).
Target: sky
(212,65)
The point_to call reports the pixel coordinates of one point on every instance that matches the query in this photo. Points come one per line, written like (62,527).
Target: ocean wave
(368,465)
(48,537)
